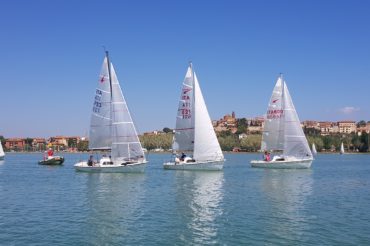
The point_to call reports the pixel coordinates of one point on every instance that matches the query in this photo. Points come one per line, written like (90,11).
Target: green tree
(167,130)
(251,143)
(225,133)
(318,140)
(227,143)
(151,142)
(242,126)
(83,145)
(28,143)
(361,123)
(311,131)
(364,139)
(72,142)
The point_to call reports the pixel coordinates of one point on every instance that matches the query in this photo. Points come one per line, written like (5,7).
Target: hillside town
(228,125)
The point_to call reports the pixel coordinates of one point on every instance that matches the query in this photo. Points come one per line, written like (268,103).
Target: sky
(52,51)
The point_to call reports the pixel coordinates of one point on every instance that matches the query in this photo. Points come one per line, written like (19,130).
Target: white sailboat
(112,128)
(283,133)
(194,132)
(341,149)
(2,154)
(314,151)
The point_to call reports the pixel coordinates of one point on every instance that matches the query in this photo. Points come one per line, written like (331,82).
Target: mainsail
(272,136)
(342,148)
(100,124)
(314,151)
(184,131)
(1,150)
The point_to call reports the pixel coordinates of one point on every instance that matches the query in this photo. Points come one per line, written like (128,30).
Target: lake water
(328,204)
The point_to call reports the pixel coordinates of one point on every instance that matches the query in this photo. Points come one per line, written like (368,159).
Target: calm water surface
(328,204)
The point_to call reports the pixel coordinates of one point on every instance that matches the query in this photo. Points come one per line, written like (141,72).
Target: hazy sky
(51,55)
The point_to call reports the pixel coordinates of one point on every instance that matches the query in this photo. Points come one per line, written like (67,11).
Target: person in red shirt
(50,152)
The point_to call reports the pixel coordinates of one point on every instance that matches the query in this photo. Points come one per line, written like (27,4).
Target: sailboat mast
(193,104)
(111,93)
(282,121)
(109,74)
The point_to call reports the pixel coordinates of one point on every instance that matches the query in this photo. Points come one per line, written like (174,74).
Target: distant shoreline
(169,152)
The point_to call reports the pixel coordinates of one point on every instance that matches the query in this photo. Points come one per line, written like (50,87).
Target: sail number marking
(97,104)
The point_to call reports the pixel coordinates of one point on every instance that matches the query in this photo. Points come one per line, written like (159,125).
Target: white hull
(286,164)
(195,166)
(138,167)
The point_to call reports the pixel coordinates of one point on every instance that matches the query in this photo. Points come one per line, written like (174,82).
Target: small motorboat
(52,160)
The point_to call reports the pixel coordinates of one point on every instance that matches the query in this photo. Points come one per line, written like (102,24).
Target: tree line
(251,143)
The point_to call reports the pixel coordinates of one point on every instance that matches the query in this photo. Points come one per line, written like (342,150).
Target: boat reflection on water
(113,206)
(287,195)
(201,195)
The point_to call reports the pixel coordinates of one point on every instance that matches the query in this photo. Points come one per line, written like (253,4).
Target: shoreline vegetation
(170,152)
(232,142)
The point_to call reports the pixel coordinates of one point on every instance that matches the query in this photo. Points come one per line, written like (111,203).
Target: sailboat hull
(2,157)
(195,166)
(288,164)
(128,168)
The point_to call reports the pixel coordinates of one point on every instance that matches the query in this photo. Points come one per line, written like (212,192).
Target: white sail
(272,137)
(194,131)
(314,151)
(184,131)
(295,142)
(100,124)
(125,142)
(112,128)
(2,154)
(342,148)
(283,131)
(206,145)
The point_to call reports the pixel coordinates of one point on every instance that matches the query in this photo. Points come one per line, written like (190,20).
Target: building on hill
(363,129)
(347,126)
(256,125)
(60,143)
(311,124)
(15,144)
(38,144)
(326,127)
(228,122)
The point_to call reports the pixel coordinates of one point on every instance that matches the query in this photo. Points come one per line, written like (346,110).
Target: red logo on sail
(275,100)
(102,79)
(186,90)
(275,113)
